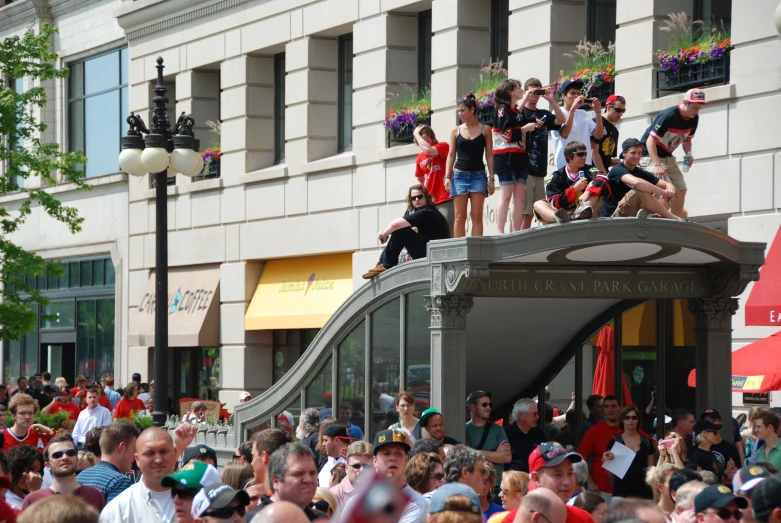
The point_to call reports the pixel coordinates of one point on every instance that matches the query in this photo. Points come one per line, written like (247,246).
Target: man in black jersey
(565,188)
(604,150)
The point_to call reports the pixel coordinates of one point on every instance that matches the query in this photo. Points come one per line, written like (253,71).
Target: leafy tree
(24,154)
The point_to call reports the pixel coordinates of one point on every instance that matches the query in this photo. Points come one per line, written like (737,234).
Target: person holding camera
(604,150)
(578,126)
(564,190)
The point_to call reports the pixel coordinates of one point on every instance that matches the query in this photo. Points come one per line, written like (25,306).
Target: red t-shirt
(594,444)
(578,515)
(35,440)
(91,495)
(127,408)
(71,408)
(432,170)
(7,514)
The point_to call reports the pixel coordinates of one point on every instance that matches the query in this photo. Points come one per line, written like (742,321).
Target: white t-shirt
(324,477)
(163,500)
(582,127)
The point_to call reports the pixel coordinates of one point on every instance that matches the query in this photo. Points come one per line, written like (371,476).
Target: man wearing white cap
(244,397)
(673,127)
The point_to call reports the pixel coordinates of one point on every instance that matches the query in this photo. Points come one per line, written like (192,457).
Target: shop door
(60,360)
(184,375)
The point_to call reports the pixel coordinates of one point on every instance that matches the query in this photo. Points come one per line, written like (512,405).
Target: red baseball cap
(696,96)
(613,98)
(550,454)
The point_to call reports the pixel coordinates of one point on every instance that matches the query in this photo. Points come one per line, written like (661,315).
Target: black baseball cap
(766,497)
(570,84)
(704,424)
(711,414)
(628,144)
(717,496)
(198,451)
(472,398)
(337,431)
(747,478)
(392,437)
(136,377)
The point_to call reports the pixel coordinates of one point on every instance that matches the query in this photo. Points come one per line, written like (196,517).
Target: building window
(95,337)
(289,346)
(98,105)
(345,92)
(713,12)
(20,357)
(424,50)
(500,23)
(601,21)
(15,141)
(279,108)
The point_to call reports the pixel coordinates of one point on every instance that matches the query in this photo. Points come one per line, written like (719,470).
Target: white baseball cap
(244,395)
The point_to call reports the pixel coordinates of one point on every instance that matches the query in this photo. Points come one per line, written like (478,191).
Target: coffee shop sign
(593,286)
(186,301)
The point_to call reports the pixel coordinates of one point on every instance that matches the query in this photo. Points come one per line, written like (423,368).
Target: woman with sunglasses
(465,176)
(424,472)
(486,495)
(633,483)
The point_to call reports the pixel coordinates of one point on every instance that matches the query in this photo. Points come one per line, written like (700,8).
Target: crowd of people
(593,177)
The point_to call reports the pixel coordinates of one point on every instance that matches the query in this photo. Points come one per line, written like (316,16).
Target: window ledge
(331,163)
(97,181)
(275,172)
(400,151)
(200,185)
(715,93)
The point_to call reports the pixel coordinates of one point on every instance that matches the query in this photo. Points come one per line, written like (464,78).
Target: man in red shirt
(430,170)
(62,458)
(64,404)
(550,467)
(24,432)
(595,443)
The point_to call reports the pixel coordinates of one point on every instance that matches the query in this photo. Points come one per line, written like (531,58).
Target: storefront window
(20,357)
(95,338)
(351,376)
(85,338)
(385,353)
(318,392)
(680,358)
(417,344)
(61,315)
(209,378)
(289,345)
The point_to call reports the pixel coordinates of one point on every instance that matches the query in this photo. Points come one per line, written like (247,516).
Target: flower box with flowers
(597,83)
(211,163)
(401,124)
(486,112)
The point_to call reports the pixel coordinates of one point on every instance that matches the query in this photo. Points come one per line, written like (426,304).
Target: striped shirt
(105,477)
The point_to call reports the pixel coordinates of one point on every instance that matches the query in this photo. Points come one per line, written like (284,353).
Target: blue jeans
(465,182)
(512,176)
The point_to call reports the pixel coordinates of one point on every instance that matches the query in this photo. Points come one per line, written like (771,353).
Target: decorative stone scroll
(713,313)
(455,278)
(448,312)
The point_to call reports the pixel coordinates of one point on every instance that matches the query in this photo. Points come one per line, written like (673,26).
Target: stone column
(311,94)
(247,112)
(539,34)
(198,94)
(460,45)
(448,358)
(713,341)
(246,356)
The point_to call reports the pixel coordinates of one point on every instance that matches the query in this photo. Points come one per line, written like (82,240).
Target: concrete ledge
(400,151)
(97,181)
(271,173)
(200,185)
(716,93)
(340,161)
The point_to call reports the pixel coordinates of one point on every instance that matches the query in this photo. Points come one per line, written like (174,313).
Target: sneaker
(584,212)
(379,269)
(561,215)
(642,214)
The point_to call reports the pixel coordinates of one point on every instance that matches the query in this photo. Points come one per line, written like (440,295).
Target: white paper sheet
(623,459)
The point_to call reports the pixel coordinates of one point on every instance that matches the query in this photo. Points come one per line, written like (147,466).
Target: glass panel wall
(209,377)
(385,353)
(680,358)
(319,391)
(20,357)
(417,344)
(95,338)
(287,418)
(351,377)
(62,315)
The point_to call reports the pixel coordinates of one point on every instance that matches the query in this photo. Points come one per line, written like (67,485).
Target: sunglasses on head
(237,457)
(438,476)
(631,418)
(414,197)
(184,493)
(71,453)
(224,513)
(725,514)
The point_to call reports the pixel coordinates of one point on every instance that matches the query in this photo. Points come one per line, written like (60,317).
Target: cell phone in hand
(668,442)
(539,92)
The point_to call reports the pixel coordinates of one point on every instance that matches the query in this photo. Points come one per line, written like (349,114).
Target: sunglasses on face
(631,418)
(236,458)
(224,513)
(415,197)
(487,404)
(321,505)
(619,111)
(581,154)
(438,476)
(725,514)
(184,493)
(71,453)
(358,466)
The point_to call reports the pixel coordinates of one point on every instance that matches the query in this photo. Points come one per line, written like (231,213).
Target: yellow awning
(300,293)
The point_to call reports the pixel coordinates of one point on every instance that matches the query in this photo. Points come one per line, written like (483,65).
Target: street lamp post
(162,149)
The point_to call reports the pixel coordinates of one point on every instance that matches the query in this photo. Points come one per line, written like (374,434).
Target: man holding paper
(627,457)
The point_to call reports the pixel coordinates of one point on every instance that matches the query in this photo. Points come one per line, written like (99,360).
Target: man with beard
(433,423)
(61,457)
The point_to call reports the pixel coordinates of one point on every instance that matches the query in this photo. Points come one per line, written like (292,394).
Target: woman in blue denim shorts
(511,162)
(465,173)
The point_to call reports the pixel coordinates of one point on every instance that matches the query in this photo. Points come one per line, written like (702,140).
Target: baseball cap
(748,477)
(550,454)
(391,437)
(426,415)
(199,450)
(711,414)
(696,96)
(613,98)
(472,398)
(337,431)
(440,496)
(717,496)
(244,395)
(766,497)
(216,496)
(628,144)
(195,474)
(569,84)
(136,377)
(705,424)
(65,391)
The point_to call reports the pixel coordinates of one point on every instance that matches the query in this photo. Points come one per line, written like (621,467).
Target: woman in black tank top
(465,176)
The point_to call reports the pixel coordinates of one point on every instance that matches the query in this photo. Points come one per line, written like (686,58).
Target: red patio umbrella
(604,380)
(755,367)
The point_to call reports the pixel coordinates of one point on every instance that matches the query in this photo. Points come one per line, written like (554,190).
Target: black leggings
(401,238)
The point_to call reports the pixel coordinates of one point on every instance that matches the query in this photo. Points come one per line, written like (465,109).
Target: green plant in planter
(144,421)
(592,65)
(408,109)
(58,421)
(489,79)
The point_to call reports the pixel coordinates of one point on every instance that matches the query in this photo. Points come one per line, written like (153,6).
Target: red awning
(764,302)
(755,367)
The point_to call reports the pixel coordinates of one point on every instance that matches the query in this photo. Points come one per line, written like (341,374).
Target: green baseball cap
(195,475)
(426,415)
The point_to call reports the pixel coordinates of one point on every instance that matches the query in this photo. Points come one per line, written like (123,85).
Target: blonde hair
(236,474)
(685,495)
(59,509)
(327,496)
(86,458)
(61,382)
(516,480)
(461,504)
(656,475)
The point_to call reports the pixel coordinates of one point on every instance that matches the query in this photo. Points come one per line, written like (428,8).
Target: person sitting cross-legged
(563,193)
(633,189)
(399,234)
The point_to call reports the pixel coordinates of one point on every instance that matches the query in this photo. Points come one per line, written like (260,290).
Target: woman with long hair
(129,405)
(674,453)
(486,494)
(465,176)
(658,478)
(236,474)
(592,503)
(424,472)
(632,485)
(511,163)
(405,406)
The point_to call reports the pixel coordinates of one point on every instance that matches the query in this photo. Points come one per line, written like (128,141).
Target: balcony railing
(715,72)
(402,137)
